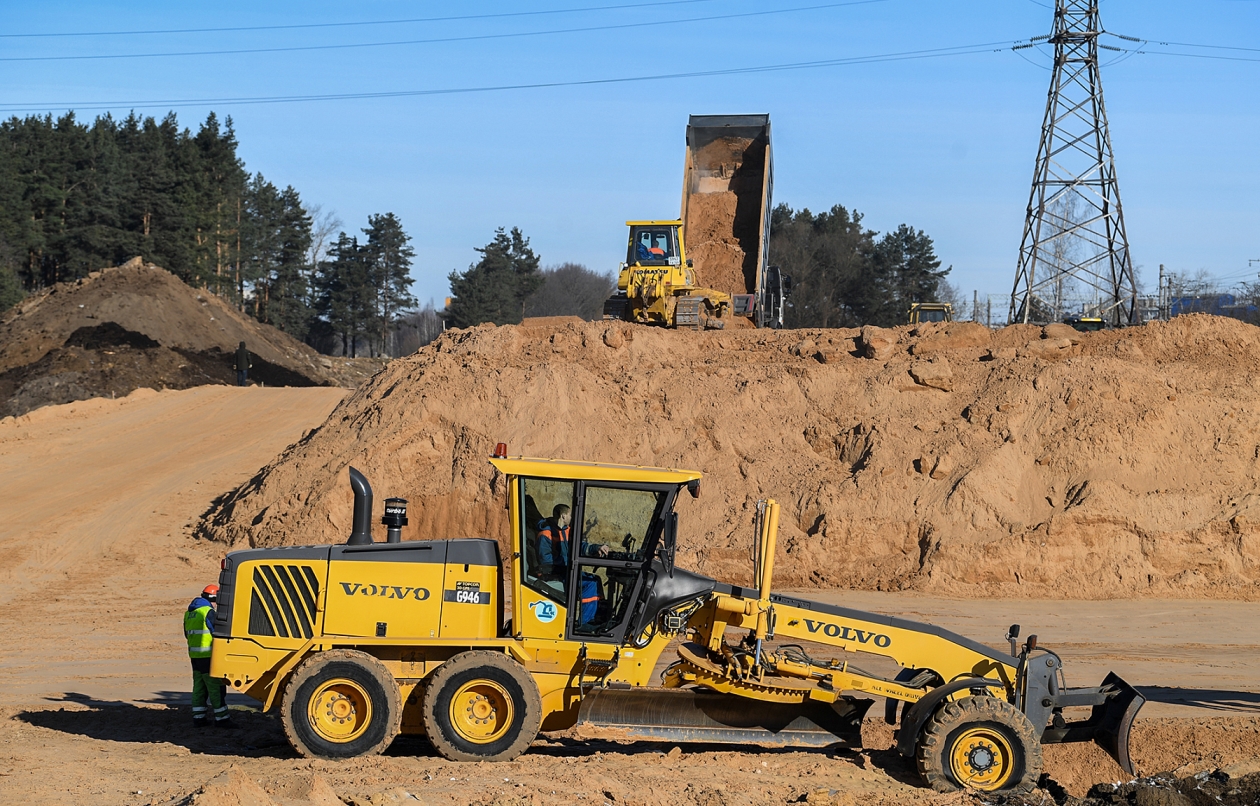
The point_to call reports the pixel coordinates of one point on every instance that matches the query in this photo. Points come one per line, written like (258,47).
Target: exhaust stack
(362,534)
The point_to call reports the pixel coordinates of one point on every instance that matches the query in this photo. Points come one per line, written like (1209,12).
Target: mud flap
(1109,724)
(705,716)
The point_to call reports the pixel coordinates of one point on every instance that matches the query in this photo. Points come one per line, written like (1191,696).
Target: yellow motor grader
(356,643)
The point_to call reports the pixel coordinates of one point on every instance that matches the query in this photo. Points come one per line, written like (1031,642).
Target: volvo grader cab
(355,643)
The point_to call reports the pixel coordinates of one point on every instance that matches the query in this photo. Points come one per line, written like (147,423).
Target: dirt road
(97,563)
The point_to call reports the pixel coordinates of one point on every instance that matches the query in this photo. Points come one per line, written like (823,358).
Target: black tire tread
(315,664)
(471,660)
(930,754)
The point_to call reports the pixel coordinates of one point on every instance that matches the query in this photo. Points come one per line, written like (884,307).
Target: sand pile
(723,214)
(234,787)
(140,326)
(1019,462)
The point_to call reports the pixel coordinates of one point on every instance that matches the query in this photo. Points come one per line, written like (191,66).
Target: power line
(1181,44)
(960,50)
(297,26)
(470,38)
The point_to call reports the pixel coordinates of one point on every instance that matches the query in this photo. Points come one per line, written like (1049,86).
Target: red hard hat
(210,591)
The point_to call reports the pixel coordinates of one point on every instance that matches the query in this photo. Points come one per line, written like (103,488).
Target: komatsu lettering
(848,633)
(385,591)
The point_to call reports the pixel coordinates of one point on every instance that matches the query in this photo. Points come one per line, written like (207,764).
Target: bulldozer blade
(1114,720)
(1109,723)
(705,716)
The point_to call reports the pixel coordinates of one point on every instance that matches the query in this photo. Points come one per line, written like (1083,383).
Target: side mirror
(669,542)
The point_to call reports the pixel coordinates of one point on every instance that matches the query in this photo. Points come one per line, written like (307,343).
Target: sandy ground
(98,562)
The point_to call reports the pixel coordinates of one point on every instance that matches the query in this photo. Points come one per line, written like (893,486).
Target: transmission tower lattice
(1075,249)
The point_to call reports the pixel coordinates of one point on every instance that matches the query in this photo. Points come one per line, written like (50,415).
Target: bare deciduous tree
(571,289)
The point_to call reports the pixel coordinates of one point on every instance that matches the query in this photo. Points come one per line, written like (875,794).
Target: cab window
(546,526)
(617,522)
(617,530)
(652,246)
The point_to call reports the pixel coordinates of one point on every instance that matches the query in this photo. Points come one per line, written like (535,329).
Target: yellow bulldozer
(657,284)
(355,643)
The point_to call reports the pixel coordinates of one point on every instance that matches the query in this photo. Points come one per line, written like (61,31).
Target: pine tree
(344,297)
(10,285)
(908,271)
(494,288)
(828,257)
(387,256)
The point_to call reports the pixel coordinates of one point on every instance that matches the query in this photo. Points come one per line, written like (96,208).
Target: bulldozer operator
(553,551)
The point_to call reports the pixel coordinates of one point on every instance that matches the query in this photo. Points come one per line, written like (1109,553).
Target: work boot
(227,724)
(201,723)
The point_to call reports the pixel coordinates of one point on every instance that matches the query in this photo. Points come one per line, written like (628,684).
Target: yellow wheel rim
(982,758)
(340,711)
(482,711)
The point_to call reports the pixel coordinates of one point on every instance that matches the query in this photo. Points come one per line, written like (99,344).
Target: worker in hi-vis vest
(199,630)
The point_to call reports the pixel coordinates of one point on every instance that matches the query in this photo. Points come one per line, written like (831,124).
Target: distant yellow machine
(931,312)
(355,643)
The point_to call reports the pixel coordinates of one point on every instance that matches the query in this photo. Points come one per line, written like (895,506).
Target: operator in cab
(553,552)
(652,246)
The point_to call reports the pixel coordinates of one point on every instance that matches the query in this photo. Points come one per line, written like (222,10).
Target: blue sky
(945,144)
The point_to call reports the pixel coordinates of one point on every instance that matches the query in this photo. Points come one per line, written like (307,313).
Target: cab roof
(675,223)
(591,471)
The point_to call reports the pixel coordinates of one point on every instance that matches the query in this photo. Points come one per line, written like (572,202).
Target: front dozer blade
(1109,723)
(685,715)
(1114,720)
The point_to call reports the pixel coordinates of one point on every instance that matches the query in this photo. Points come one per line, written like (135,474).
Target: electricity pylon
(1074,232)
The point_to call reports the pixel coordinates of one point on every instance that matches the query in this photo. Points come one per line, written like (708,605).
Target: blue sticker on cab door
(544,611)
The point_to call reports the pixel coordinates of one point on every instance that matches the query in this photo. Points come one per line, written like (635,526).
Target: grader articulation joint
(356,643)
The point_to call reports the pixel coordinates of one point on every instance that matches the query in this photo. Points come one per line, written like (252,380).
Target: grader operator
(355,643)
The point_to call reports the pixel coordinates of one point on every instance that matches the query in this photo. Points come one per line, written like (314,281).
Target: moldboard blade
(685,715)
(1114,720)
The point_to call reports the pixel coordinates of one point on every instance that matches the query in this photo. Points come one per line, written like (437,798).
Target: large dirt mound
(140,326)
(956,460)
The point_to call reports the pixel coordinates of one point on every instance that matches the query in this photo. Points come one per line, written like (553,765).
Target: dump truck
(353,644)
(711,263)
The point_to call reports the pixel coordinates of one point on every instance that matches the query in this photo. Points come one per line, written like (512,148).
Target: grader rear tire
(481,706)
(979,743)
(340,704)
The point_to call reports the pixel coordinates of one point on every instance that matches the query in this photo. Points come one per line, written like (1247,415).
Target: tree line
(845,275)
(77,197)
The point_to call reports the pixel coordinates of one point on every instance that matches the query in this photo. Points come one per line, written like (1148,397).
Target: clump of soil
(1214,787)
(140,326)
(1024,462)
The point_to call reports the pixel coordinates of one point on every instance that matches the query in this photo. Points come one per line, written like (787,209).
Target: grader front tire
(341,704)
(481,706)
(979,743)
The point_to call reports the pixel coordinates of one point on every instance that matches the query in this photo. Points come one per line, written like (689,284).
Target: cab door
(616,529)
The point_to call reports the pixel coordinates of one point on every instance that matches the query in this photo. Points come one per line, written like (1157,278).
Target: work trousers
(208,689)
